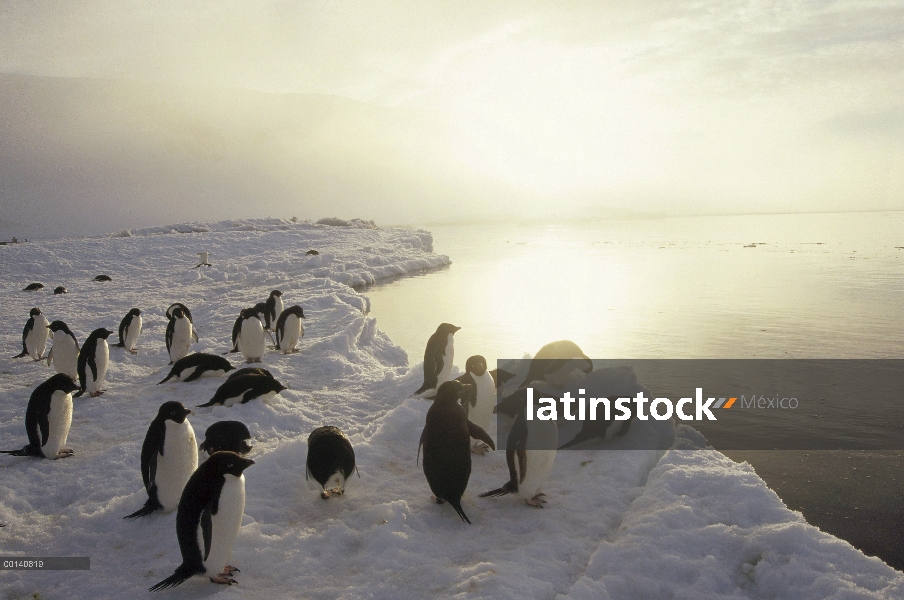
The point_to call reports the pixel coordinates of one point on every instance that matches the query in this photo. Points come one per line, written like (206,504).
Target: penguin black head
(34,312)
(134,312)
(177,313)
(102,333)
(231,436)
(512,405)
(173,411)
(62,382)
(59,326)
(60,290)
(276,293)
(447,328)
(477,365)
(247,313)
(228,463)
(450,392)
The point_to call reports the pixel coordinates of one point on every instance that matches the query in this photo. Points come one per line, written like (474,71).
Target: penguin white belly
(482,414)
(186,373)
(181,339)
(224,525)
(540,434)
(268,397)
(278,307)
(101,360)
(179,461)
(448,356)
(36,340)
(64,355)
(291,334)
(59,420)
(253,344)
(132,333)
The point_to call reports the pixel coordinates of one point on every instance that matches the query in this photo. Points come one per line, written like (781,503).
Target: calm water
(814,286)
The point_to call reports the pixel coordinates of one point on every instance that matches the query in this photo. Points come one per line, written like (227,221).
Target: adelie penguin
(239,390)
(529,451)
(331,460)
(204,257)
(250,340)
(103,278)
(169,456)
(129,330)
(447,446)
(289,329)
(34,335)
(438,357)
(208,520)
(198,365)
(60,289)
(32,287)
(230,436)
(179,335)
(479,397)
(275,305)
(47,419)
(250,371)
(64,352)
(92,363)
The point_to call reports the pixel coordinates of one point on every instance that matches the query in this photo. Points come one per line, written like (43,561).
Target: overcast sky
(543,108)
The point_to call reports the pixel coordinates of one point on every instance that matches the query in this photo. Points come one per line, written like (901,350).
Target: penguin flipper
(509,488)
(419,444)
(195,374)
(477,432)
(182,573)
(149,507)
(28,450)
(24,353)
(172,374)
(207,528)
(210,403)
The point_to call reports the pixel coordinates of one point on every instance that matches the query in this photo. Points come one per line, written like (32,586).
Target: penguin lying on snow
(529,451)
(554,361)
(103,278)
(92,363)
(331,460)
(208,520)
(64,352)
(250,371)
(231,436)
(446,442)
(289,329)
(129,330)
(438,357)
(479,397)
(242,389)
(60,290)
(31,287)
(197,365)
(169,456)
(47,419)
(34,335)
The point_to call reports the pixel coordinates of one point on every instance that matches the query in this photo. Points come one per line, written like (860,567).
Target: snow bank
(619,523)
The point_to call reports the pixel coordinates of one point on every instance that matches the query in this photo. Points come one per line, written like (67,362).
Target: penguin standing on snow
(237,328)
(92,363)
(239,390)
(208,520)
(275,305)
(529,451)
(438,357)
(34,335)
(129,330)
(198,365)
(47,419)
(446,441)
(179,334)
(64,352)
(250,341)
(479,397)
(331,460)
(289,329)
(204,258)
(169,456)
(230,436)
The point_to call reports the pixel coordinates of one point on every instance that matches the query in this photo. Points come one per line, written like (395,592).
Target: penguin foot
(229,570)
(536,501)
(133,351)
(65,453)
(97,393)
(223,580)
(437,500)
(325,494)
(480,448)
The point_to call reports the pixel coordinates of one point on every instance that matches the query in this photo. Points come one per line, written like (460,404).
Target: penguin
(250,341)
(47,419)
(331,460)
(129,330)
(438,357)
(174,306)
(289,329)
(179,334)
(479,397)
(208,520)
(312,253)
(204,257)
(263,313)
(231,436)
(64,352)
(92,363)
(103,278)
(529,451)
(242,389)
(554,361)
(250,371)
(34,335)
(197,365)
(33,287)
(446,441)
(60,289)
(275,305)
(169,456)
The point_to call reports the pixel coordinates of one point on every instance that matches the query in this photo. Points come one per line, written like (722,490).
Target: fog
(119,115)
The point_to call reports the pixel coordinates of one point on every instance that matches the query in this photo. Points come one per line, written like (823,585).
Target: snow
(619,524)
